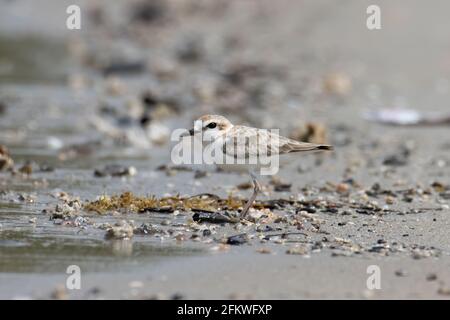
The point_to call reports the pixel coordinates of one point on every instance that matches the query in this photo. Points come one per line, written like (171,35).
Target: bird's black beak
(188,133)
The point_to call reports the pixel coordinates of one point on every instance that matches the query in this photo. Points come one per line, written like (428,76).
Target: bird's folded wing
(244,142)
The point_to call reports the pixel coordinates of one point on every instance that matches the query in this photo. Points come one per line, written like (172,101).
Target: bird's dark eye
(212,125)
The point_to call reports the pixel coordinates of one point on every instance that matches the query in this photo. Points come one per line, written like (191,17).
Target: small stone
(177,296)
(206,233)
(432,277)
(342,188)
(166,222)
(237,239)
(115,170)
(390,200)
(121,230)
(400,273)
(200,174)
(245,186)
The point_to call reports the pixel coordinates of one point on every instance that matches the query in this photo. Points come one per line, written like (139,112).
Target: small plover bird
(245,147)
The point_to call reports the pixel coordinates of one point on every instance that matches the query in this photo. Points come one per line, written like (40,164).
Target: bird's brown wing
(244,141)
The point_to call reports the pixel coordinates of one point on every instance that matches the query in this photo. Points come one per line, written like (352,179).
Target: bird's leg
(256,189)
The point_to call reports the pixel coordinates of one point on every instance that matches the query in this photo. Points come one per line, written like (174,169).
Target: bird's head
(211,127)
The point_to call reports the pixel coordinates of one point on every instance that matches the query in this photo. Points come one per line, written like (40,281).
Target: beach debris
(245,185)
(26,198)
(237,239)
(213,217)
(130,202)
(67,210)
(407,117)
(6,162)
(115,170)
(120,230)
(147,229)
(421,252)
(344,247)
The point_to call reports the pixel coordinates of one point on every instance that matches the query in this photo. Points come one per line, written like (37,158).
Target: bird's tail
(324,147)
(306,146)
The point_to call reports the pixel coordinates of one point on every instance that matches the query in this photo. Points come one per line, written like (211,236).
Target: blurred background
(146,67)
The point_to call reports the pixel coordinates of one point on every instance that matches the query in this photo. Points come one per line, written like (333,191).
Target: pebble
(401,273)
(115,170)
(342,188)
(166,222)
(237,239)
(121,230)
(390,200)
(432,277)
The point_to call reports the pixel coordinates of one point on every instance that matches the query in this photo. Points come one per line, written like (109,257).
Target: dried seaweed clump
(128,201)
